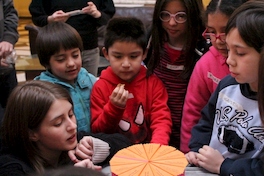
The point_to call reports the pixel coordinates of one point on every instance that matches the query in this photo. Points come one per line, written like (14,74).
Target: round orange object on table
(148,159)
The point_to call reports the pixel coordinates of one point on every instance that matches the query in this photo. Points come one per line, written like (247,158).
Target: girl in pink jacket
(210,69)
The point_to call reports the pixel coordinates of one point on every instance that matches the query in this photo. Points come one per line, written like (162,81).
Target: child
(59,49)
(123,100)
(39,127)
(210,69)
(92,14)
(228,140)
(176,39)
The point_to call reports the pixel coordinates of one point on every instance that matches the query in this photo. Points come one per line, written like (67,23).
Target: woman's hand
(88,164)
(58,16)
(83,150)
(210,159)
(92,10)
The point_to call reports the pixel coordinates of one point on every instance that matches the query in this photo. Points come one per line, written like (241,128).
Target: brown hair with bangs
(53,37)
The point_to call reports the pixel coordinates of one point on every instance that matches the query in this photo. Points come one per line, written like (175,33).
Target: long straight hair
(27,107)
(195,26)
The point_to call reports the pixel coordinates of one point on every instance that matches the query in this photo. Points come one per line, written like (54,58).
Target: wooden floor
(22,46)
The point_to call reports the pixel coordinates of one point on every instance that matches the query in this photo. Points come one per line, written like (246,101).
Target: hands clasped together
(207,158)
(83,153)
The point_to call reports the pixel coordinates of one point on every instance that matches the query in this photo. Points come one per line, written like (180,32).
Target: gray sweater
(8,22)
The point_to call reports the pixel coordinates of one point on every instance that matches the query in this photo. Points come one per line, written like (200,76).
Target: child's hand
(119,96)
(192,158)
(88,164)
(84,150)
(210,159)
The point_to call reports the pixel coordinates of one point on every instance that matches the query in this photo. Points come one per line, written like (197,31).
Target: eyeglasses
(212,37)
(179,17)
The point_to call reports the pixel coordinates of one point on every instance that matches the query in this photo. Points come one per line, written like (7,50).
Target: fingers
(71,154)
(88,164)
(210,159)
(3,63)
(119,96)
(97,167)
(58,16)
(6,48)
(92,10)
(192,158)
(87,142)
(120,92)
(84,148)
(83,153)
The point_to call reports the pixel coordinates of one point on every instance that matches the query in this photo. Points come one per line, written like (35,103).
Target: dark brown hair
(125,29)
(226,7)
(195,27)
(56,36)
(249,21)
(26,108)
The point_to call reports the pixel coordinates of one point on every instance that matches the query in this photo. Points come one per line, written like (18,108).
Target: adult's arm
(10,18)
(107,9)
(116,142)
(39,13)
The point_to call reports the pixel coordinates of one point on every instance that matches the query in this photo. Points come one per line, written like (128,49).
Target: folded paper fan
(148,160)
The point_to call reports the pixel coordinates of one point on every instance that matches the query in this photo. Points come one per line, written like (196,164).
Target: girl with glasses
(210,69)
(176,44)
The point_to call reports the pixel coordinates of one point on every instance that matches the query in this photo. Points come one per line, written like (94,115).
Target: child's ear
(32,136)
(145,54)
(105,53)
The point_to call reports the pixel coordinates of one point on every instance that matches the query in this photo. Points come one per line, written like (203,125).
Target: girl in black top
(39,128)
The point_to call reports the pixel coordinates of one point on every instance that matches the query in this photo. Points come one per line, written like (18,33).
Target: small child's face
(243,60)
(125,59)
(58,130)
(216,25)
(66,64)
(176,31)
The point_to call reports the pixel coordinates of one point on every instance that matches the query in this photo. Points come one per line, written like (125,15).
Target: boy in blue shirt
(59,49)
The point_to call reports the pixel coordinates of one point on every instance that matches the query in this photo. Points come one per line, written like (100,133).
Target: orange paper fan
(148,160)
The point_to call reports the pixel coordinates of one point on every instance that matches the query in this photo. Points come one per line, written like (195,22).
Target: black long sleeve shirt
(85,24)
